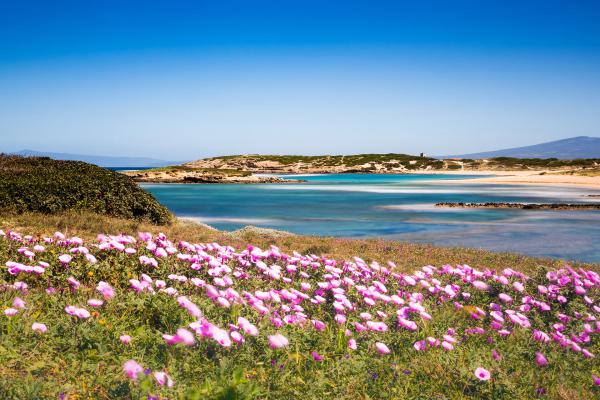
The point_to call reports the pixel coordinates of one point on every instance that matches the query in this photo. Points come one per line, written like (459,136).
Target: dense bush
(49,186)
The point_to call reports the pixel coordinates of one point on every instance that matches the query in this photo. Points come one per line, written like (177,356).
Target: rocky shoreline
(203,176)
(524,206)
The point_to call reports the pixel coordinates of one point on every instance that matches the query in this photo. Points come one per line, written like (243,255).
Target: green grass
(40,184)
(83,358)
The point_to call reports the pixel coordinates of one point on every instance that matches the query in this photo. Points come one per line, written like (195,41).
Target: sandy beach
(540,177)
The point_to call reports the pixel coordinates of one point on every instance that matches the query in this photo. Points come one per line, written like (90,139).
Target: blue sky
(182,80)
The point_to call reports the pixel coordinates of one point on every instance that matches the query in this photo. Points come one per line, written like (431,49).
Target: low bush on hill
(41,184)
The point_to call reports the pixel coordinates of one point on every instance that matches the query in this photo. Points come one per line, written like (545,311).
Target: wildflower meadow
(143,317)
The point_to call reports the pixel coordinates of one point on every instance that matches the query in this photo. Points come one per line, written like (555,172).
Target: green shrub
(49,186)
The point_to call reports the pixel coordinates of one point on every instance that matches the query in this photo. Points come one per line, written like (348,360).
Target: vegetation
(389,163)
(82,350)
(334,160)
(49,186)
(407,256)
(583,172)
(443,347)
(524,163)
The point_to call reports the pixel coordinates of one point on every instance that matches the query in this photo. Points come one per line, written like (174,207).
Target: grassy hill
(49,186)
(320,164)
(383,163)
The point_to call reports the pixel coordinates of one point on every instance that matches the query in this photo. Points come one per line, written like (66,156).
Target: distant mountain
(103,161)
(565,149)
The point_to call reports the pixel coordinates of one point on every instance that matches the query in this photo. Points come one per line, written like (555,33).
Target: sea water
(399,207)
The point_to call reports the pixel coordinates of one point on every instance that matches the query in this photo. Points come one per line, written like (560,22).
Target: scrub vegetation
(385,163)
(41,184)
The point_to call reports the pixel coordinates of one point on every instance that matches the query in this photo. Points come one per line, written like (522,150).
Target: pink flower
(420,345)
(316,356)
(237,337)
(278,341)
(587,354)
(107,291)
(70,310)
(186,337)
(541,336)
(447,345)
(352,344)
(596,380)
(340,318)
(94,302)
(495,355)
(377,326)
(482,374)
(78,312)
(10,312)
(125,339)
(223,302)
(82,313)
(505,298)
(132,369)
(37,327)
(247,327)
(65,259)
(221,336)
(162,378)
(540,359)
(18,303)
(73,282)
(480,285)
(382,348)
(319,325)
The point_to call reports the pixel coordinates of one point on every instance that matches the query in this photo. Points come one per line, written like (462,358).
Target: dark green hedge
(45,185)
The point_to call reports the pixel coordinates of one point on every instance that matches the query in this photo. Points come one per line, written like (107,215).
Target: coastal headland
(252,169)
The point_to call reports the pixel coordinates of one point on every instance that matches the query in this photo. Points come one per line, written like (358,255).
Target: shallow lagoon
(399,207)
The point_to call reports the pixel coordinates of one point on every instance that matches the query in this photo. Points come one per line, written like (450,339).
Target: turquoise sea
(398,207)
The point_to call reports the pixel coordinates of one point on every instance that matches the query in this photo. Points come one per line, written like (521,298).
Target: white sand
(554,178)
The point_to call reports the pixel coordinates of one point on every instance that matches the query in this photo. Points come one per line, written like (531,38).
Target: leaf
(36,366)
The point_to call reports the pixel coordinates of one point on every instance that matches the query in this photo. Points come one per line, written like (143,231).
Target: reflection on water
(399,207)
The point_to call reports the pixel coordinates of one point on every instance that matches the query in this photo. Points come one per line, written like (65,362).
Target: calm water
(399,207)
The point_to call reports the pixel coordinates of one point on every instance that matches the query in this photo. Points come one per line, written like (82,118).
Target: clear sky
(181,80)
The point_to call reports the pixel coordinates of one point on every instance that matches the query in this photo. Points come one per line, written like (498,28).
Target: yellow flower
(470,309)
(91,273)
(102,322)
